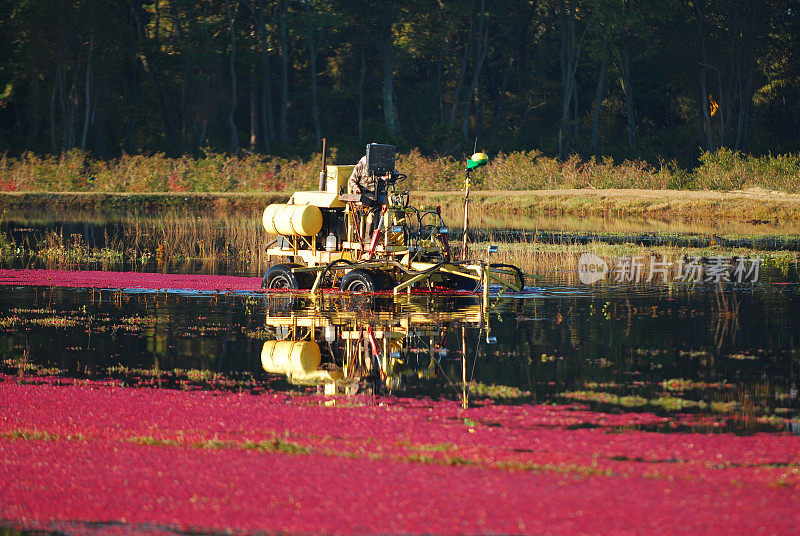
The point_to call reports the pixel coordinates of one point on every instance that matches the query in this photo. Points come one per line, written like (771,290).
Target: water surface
(712,359)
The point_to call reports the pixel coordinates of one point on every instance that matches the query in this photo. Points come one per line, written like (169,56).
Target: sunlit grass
(152,441)
(24,434)
(520,170)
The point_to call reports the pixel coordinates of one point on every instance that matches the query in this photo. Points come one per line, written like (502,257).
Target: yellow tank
(298,220)
(290,357)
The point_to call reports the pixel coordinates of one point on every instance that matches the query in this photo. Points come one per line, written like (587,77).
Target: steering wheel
(395,178)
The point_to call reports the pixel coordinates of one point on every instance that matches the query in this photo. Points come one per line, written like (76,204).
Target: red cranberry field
(94,457)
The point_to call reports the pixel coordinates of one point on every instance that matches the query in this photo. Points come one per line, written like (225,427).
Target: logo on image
(591,268)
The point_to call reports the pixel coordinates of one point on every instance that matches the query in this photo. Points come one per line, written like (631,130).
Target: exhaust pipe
(323,175)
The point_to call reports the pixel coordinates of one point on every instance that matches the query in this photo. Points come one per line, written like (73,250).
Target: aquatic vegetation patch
(276,444)
(666,402)
(51,321)
(152,441)
(693,354)
(24,434)
(483,390)
(681,384)
(202,375)
(551,468)
(25,372)
(23,366)
(743,357)
(439,447)
(628,401)
(674,403)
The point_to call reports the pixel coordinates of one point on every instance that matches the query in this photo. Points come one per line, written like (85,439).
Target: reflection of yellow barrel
(316,377)
(290,357)
(298,220)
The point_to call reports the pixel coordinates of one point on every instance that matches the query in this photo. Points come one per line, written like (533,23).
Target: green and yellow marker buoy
(477,160)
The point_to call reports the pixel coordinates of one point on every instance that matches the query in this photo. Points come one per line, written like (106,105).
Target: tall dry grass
(75,171)
(169,239)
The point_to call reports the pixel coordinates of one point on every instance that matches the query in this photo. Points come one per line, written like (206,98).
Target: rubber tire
(385,281)
(280,276)
(359,280)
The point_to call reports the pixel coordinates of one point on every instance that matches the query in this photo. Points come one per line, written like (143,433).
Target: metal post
(464,251)
(323,175)
(464,399)
(485,278)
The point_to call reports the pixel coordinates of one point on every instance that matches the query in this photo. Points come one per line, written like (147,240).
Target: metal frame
(394,252)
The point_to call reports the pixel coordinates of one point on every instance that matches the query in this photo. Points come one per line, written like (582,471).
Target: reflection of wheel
(282,303)
(360,280)
(280,276)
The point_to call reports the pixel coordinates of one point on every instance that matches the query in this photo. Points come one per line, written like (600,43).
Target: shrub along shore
(724,186)
(75,171)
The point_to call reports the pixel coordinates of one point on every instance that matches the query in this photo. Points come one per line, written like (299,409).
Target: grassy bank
(78,172)
(108,205)
(754,206)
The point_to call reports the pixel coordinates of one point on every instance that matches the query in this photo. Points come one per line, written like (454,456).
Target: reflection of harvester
(326,240)
(343,349)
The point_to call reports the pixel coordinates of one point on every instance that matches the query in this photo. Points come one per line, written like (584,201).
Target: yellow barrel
(290,357)
(298,220)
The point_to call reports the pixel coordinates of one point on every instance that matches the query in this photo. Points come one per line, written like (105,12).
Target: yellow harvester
(322,240)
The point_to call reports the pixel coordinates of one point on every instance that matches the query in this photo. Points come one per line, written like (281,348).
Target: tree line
(652,80)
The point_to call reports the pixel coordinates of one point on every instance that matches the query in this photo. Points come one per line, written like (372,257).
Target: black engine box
(380,159)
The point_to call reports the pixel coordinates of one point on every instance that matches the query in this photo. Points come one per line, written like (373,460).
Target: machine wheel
(280,276)
(359,280)
(386,281)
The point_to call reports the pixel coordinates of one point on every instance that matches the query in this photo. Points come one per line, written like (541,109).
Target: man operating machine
(375,166)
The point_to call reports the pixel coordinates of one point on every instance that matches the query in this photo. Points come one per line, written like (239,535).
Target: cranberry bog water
(137,402)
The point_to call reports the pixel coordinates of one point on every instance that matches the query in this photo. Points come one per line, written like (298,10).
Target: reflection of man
(366,183)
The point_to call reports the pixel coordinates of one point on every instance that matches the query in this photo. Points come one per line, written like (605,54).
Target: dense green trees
(644,79)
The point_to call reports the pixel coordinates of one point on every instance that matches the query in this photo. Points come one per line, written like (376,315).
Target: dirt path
(752,205)
(752,194)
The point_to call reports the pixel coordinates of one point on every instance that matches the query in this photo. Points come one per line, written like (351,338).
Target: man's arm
(357,176)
